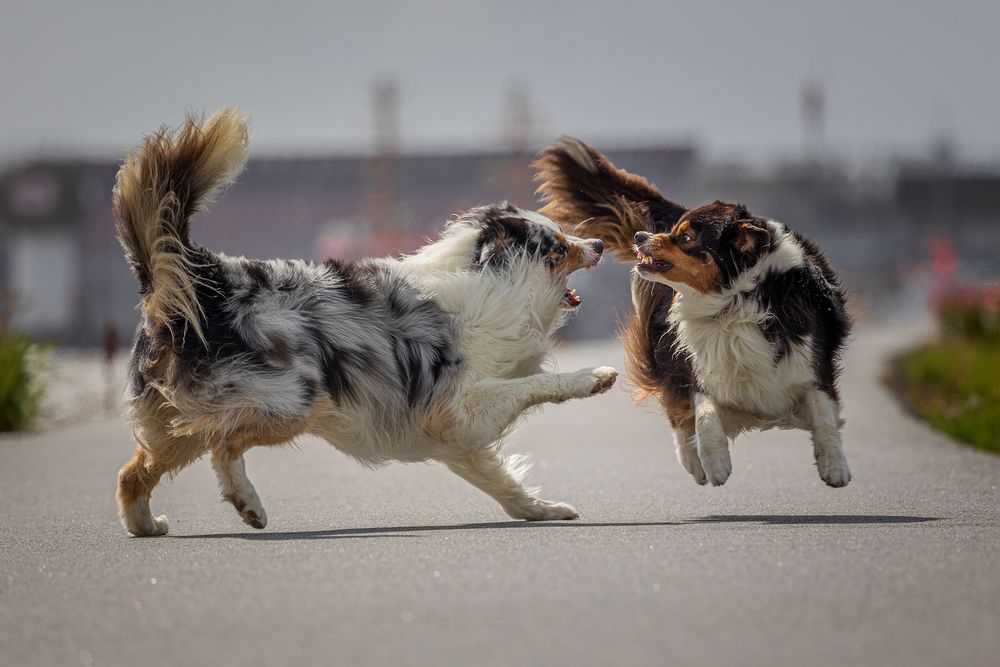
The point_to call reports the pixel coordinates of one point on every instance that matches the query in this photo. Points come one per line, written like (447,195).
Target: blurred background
(869,126)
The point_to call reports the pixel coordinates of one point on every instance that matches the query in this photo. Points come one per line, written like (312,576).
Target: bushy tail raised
(172,176)
(585,193)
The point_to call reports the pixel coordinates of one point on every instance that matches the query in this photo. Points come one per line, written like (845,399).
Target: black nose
(642,237)
(599,247)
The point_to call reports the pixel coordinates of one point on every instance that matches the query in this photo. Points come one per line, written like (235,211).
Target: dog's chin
(651,275)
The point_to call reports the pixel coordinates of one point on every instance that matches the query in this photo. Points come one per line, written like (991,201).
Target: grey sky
(94,76)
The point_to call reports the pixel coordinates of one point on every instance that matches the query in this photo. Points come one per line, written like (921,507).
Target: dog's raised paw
(604,378)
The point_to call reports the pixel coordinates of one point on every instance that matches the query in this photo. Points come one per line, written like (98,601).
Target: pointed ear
(752,238)
(589,196)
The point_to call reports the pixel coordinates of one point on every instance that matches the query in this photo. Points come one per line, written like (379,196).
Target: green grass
(954,384)
(20,391)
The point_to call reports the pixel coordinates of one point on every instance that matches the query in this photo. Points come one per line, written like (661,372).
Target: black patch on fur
(506,235)
(357,280)
(142,351)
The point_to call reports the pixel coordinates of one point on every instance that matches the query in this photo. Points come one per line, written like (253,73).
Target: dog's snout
(642,237)
(598,246)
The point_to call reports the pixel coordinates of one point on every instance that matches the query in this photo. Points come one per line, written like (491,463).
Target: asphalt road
(410,566)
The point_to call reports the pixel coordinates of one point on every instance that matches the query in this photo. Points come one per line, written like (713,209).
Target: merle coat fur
(430,356)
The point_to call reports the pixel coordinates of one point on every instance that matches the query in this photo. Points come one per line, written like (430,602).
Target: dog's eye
(686,238)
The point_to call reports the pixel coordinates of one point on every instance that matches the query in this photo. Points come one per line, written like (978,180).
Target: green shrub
(955,385)
(20,391)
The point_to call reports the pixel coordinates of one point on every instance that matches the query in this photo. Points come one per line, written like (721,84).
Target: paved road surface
(409,565)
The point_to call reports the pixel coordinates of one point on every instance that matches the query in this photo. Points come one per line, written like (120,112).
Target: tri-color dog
(430,356)
(738,323)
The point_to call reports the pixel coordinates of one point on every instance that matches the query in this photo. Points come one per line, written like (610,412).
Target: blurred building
(63,272)
(62,275)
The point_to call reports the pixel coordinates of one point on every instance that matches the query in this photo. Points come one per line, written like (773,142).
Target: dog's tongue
(571,298)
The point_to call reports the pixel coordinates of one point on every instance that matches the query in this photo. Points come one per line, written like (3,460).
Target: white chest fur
(737,365)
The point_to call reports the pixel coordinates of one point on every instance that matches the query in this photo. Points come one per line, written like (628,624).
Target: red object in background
(944,260)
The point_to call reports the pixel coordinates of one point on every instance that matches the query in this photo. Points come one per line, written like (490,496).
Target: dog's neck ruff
(731,305)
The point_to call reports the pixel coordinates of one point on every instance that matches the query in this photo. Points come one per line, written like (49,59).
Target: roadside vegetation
(20,390)
(954,382)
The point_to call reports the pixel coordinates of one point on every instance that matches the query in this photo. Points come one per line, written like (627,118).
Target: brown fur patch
(574,259)
(680,410)
(684,227)
(700,272)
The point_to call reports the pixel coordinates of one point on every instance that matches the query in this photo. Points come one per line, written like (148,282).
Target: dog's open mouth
(571,299)
(650,263)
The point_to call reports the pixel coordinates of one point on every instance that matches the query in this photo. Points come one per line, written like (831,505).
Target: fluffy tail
(172,176)
(650,357)
(585,193)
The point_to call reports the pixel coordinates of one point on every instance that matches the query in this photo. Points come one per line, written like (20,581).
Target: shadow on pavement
(408,531)
(805,519)
(401,531)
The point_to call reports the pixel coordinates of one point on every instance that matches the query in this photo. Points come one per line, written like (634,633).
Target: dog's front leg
(500,477)
(824,417)
(713,444)
(230,470)
(487,410)
(490,406)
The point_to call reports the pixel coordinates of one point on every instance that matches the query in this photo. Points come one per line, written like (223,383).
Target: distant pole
(385,163)
(812,101)
(518,135)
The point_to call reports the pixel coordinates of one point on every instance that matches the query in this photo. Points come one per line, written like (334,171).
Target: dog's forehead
(539,229)
(715,214)
(708,222)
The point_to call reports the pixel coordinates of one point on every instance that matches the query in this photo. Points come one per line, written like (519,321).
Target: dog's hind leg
(500,477)
(230,470)
(823,414)
(138,478)
(681,414)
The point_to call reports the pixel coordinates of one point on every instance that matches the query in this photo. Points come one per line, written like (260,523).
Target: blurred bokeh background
(869,126)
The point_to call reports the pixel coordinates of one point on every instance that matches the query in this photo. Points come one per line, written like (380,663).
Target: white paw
(716,463)
(544,510)
(688,456)
(251,511)
(833,469)
(604,379)
(591,381)
(153,527)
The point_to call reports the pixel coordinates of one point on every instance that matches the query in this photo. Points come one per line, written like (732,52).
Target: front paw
(717,464)
(543,510)
(833,469)
(688,456)
(588,382)
(604,379)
